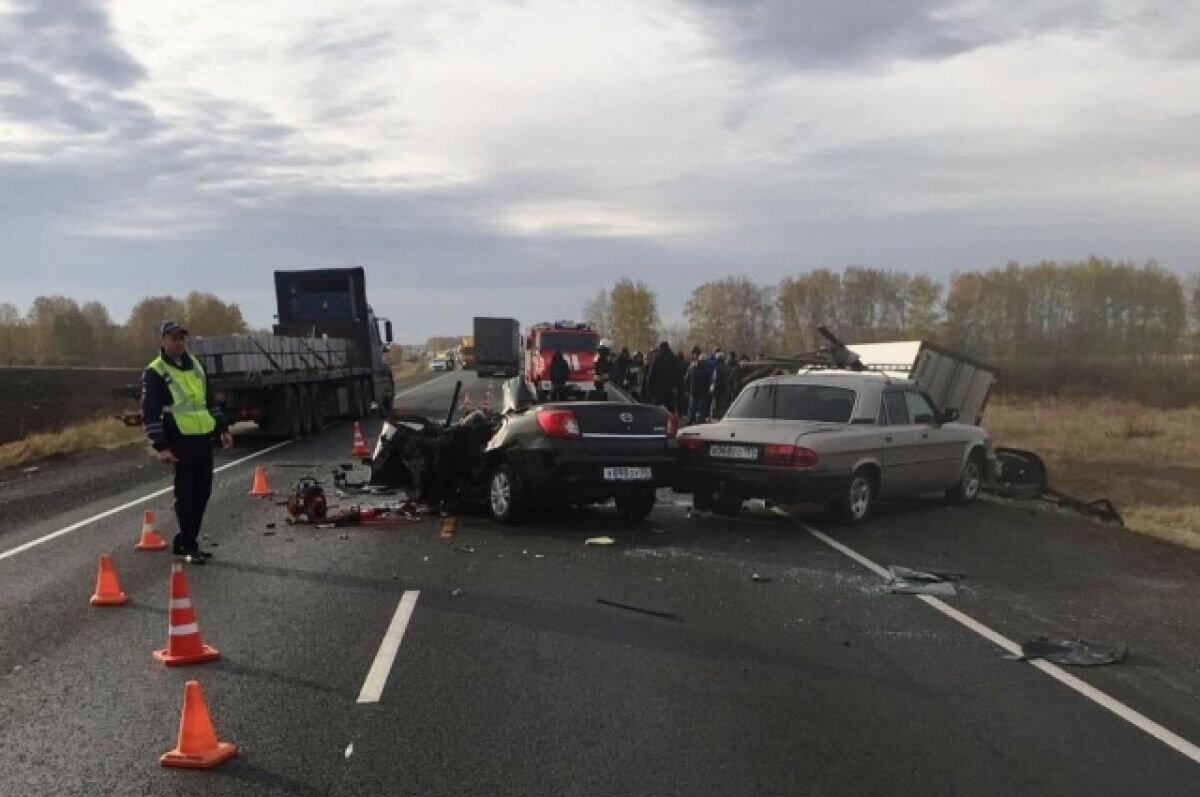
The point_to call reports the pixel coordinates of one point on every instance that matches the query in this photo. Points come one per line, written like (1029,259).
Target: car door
(939,455)
(901,450)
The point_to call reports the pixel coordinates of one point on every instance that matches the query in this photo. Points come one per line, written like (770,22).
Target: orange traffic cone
(360,445)
(150,540)
(197,747)
(260,488)
(184,645)
(108,591)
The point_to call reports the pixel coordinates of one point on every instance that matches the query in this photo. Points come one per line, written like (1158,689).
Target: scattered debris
(639,610)
(539,556)
(30,470)
(270,525)
(456,592)
(268,534)
(465,548)
(1023,475)
(1073,652)
(426,559)
(599,541)
(761,579)
(343,536)
(349,751)
(907,581)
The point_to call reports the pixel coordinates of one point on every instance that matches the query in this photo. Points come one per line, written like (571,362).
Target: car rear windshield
(558,341)
(794,403)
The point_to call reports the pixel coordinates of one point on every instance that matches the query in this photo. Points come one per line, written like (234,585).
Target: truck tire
(635,505)
(304,411)
(293,421)
(385,406)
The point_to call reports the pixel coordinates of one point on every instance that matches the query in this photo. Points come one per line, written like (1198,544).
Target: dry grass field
(101,433)
(1145,460)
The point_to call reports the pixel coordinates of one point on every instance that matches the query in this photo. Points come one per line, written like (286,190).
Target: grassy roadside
(100,433)
(1145,460)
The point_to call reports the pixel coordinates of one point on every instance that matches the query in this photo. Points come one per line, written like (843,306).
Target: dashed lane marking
(1102,699)
(372,688)
(136,502)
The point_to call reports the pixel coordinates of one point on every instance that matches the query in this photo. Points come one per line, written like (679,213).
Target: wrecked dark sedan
(577,453)
(559,454)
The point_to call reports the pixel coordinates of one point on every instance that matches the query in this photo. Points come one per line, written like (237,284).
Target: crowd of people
(698,390)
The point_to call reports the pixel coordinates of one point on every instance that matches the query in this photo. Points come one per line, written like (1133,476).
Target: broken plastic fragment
(1074,652)
(599,541)
(907,581)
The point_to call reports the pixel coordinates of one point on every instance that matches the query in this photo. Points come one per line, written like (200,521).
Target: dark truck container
(324,360)
(497,346)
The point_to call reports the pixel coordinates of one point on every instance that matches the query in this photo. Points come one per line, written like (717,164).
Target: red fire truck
(578,344)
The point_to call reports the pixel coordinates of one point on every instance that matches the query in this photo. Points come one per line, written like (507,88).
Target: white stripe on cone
(183,630)
(181,603)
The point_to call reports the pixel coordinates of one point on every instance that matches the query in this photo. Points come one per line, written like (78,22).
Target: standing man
(560,374)
(181,418)
(664,382)
(722,387)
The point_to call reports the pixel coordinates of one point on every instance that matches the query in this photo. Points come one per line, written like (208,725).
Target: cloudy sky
(515,157)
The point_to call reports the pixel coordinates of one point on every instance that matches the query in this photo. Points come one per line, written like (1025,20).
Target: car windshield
(794,403)
(563,341)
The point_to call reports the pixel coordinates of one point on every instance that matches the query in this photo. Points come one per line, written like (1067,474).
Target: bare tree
(598,312)
(633,316)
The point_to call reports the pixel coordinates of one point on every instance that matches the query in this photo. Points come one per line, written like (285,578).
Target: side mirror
(949,415)
(387,331)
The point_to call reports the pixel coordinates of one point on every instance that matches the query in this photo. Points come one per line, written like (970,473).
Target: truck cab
(333,303)
(577,342)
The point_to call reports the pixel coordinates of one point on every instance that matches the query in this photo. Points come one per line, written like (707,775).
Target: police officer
(181,419)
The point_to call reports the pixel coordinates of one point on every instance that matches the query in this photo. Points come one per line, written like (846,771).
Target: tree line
(1093,308)
(56,330)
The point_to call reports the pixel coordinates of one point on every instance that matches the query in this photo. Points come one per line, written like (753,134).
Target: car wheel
(635,505)
(506,499)
(969,483)
(854,506)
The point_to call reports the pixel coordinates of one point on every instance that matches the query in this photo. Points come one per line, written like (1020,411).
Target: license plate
(733,452)
(628,474)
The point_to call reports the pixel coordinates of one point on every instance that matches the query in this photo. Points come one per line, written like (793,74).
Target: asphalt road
(512,678)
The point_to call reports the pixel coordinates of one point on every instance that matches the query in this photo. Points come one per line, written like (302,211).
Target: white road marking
(136,502)
(1133,717)
(372,688)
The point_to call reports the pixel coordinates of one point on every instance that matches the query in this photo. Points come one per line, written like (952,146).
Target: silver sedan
(836,437)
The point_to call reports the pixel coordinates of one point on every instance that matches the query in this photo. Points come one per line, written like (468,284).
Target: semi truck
(323,360)
(497,346)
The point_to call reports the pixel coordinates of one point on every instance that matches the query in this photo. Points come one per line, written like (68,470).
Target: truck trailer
(323,360)
(497,346)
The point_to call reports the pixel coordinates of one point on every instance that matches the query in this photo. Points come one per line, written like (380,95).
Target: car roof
(846,379)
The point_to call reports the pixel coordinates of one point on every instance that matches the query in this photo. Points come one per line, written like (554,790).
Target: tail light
(558,423)
(786,456)
(672,425)
(690,443)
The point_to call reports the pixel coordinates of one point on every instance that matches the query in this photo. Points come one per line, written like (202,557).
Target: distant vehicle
(844,438)
(576,453)
(441,364)
(577,342)
(324,359)
(497,346)
(466,350)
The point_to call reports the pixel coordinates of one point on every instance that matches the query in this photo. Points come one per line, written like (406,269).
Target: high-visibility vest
(189,397)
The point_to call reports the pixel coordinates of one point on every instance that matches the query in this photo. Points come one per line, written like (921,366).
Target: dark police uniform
(178,413)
